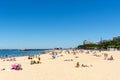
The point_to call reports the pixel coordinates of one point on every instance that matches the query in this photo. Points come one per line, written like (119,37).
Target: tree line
(101,45)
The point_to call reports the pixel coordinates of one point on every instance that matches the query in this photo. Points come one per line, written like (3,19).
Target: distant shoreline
(18,52)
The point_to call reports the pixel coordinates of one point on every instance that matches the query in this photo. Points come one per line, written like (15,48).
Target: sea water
(17,52)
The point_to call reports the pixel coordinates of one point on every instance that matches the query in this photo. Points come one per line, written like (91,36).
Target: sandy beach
(63,67)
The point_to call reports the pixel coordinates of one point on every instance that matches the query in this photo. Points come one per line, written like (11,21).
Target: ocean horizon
(21,52)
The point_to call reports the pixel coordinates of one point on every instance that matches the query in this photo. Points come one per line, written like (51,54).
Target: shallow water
(17,52)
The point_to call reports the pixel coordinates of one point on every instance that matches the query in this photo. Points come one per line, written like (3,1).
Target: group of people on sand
(15,66)
(94,52)
(8,58)
(99,54)
(55,54)
(35,59)
(108,58)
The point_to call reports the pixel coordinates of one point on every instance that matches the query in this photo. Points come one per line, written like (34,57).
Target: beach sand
(63,67)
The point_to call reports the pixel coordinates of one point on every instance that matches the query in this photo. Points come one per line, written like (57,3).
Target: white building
(117,38)
(87,42)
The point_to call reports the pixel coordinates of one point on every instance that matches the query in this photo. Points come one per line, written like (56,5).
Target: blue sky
(57,23)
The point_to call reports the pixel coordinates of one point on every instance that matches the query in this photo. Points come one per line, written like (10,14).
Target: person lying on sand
(83,65)
(76,57)
(16,66)
(68,60)
(3,69)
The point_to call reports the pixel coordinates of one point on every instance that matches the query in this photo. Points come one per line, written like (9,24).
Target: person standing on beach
(77,65)
(105,56)
(39,58)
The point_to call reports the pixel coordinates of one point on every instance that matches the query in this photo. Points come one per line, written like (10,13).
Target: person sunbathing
(68,60)
(111,58)
(3,69)
(76,57)
(16,66)
(30,56)
(83,65)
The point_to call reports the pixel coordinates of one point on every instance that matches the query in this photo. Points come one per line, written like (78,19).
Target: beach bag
(53,57)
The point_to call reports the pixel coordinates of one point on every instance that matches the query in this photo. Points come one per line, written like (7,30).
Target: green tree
(102,45)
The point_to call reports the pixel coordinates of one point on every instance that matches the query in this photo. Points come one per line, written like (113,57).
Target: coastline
(17,52)
(63,68)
